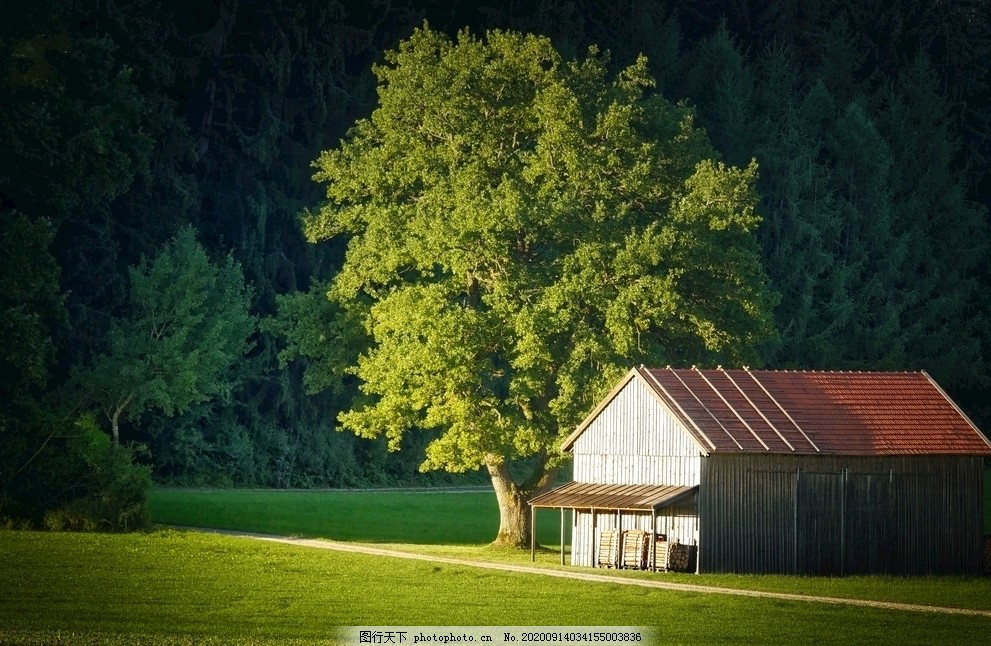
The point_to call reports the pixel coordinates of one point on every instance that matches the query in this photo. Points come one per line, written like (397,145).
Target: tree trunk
(115,426)
(514,510)
(115,418)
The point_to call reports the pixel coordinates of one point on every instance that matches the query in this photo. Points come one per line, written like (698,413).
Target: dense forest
(158,157)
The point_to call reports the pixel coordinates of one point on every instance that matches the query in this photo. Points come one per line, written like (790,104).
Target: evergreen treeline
(152,136)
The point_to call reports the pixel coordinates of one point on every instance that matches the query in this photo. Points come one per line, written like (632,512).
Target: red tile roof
(849,413)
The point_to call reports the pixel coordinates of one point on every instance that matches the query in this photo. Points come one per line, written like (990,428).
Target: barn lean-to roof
(808,412)
(582,495)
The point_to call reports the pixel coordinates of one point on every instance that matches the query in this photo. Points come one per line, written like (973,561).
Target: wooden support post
(619,539)
(595,553)
(699,510)
(653,539)
(533,533)
(562,535)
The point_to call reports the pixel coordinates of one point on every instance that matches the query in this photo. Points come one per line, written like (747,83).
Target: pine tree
(943,314)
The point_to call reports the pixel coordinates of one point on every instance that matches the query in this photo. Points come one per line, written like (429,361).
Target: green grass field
(174,587)
(461,525)
(418,518)
(370,516)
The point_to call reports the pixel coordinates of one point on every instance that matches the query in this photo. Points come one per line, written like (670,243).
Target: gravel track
(588,576)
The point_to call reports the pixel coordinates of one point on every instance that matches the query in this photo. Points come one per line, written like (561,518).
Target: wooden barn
(757,471)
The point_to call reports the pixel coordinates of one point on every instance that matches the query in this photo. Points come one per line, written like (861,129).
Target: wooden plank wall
(636,441)
(841,515)
(678,523)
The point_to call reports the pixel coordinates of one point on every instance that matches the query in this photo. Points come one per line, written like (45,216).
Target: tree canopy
(521,229)
(123,122)
(186,326)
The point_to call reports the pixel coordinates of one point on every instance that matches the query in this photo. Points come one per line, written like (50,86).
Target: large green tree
(521,230)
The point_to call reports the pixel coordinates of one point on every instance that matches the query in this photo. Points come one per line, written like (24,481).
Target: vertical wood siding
(677,523)
(634,440)
(841,515)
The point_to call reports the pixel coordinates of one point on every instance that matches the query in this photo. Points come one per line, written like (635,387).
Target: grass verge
(460,525)
(172,587)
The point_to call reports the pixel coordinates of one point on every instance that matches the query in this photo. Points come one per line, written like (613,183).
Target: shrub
(114,490)
(69,518)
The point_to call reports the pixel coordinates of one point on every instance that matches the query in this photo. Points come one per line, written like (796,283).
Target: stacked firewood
(657,556)
(679,557)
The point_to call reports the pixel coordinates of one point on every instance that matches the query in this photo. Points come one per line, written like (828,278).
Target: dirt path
(588,576)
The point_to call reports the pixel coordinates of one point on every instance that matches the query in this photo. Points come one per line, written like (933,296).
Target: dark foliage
(121,122)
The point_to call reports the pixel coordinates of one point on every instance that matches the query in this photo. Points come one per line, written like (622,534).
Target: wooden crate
(608,548)
(657,556)
(635,549)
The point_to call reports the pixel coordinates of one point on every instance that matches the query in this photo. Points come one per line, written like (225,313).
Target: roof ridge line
(841,371)
(714,418)
(674,401)
(959,410)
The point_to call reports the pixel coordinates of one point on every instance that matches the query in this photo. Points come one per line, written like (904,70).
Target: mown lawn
(176,587)
(462,524)
(173,587)
(414,517)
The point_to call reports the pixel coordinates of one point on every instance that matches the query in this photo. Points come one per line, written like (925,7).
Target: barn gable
(633,438)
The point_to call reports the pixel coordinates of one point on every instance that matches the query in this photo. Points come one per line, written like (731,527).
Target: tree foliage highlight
(522,229)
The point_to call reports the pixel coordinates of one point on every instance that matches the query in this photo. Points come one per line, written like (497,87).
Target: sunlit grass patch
(461,525)
(388,516)
(177,587)
(174,587)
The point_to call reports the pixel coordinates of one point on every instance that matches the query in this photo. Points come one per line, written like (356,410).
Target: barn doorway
(843,522)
